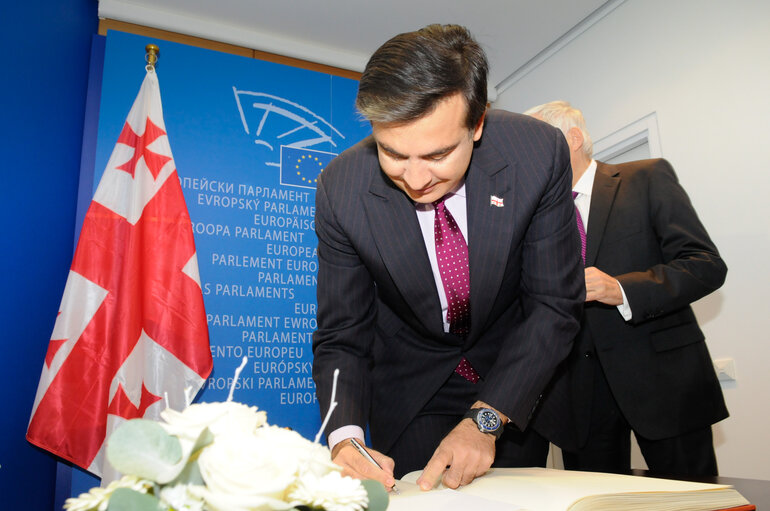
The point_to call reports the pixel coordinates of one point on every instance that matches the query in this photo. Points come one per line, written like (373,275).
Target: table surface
(756,491)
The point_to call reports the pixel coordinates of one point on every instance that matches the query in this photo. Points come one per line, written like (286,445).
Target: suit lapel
(397,235)
(605,186)
(490,229)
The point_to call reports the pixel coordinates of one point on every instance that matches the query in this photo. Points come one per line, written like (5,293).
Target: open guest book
(544,489)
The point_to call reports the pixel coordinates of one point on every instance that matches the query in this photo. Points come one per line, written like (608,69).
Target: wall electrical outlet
(725,369)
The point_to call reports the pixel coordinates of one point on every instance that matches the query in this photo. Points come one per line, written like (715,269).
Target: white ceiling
(343,33)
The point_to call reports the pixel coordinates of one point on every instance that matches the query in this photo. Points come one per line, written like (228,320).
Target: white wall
(704,67)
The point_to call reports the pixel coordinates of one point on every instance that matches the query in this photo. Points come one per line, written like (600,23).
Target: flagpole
(151,55)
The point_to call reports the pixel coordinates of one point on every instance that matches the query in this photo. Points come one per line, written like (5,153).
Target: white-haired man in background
(640,362)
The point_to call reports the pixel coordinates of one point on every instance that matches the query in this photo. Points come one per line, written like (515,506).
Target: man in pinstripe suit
(433,398)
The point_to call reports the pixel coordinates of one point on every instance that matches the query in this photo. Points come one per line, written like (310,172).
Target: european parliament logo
(302,167)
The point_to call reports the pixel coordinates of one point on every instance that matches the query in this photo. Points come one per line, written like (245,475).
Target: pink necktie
(581,230)
(452,256)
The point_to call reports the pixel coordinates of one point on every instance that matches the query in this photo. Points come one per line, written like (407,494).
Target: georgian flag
(131,327)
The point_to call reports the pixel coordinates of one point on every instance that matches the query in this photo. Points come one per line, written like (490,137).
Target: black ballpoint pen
(365,454)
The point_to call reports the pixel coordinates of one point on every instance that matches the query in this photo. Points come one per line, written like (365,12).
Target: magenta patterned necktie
(452,256)
(581,230)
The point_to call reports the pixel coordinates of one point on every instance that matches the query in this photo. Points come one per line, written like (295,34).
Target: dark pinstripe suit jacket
(643,230)
(379,316)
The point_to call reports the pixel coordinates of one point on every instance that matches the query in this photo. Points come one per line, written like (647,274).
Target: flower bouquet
(223,457)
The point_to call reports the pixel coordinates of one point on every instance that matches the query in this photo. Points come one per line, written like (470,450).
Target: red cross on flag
(131,334)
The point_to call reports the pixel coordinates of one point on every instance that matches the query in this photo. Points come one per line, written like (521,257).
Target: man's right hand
(355,465)
(602,287)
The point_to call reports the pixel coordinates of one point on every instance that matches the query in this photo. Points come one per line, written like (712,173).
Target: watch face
(487,420)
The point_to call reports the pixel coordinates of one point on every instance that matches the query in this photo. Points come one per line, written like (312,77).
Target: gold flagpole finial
(151,57)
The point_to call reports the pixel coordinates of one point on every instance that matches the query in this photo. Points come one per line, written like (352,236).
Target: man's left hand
(602,288)
(466,451)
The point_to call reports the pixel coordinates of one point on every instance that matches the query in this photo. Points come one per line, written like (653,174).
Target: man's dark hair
(407,76)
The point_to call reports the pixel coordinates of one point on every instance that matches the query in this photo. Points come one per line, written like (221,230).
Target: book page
(412,498)
(560,490)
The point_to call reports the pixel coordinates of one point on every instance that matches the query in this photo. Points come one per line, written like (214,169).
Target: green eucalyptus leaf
(126,499)
(143,448)
(204,439)
(378,496)
(190,474)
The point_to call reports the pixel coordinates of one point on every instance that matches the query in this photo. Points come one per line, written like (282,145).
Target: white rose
(287,444)
(246,472)
(220,418)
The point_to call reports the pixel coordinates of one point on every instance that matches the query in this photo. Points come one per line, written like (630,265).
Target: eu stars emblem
(301,167)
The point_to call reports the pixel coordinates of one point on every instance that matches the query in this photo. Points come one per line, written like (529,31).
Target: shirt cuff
(623,308)
(343,433)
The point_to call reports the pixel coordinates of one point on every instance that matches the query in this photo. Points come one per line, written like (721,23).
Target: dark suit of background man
(381,302)
(640,361)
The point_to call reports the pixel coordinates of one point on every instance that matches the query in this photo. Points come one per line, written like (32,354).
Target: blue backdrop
(249,139)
